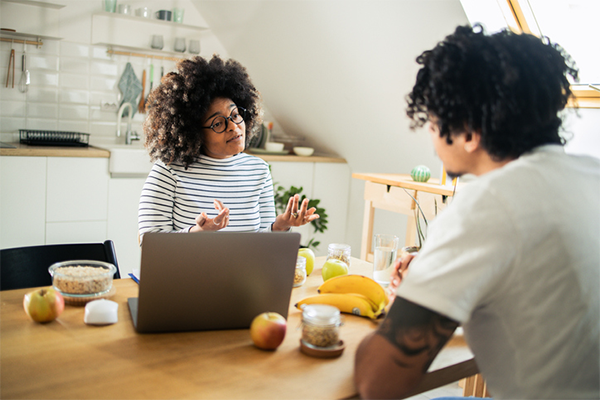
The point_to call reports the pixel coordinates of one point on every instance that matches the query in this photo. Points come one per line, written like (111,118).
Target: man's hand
(400,269)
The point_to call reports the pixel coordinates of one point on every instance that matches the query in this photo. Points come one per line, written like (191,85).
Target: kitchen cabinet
(76,204)
(326,181)
(45,200)
(22,201)
(135,33)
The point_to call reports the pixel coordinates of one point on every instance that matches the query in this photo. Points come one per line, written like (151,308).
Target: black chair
(25,267)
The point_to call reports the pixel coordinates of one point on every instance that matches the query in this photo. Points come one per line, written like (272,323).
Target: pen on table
(136,280)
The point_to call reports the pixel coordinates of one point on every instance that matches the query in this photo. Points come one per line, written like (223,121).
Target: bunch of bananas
(351,294)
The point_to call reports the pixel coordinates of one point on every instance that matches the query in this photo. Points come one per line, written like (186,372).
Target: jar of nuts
(300,274)
(321,325)
(339,251)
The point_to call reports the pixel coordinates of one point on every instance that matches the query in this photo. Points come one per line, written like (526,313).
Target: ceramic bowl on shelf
(274,146)
(304,151)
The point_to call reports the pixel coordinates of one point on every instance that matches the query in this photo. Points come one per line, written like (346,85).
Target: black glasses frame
(241,112)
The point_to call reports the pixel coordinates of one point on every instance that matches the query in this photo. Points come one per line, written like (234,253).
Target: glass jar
(300,274)
(339,251)
(321,325)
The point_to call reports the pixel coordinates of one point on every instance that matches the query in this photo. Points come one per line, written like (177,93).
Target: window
(571,23)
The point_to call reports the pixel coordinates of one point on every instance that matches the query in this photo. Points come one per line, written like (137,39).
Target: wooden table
(397,193)
(67,359)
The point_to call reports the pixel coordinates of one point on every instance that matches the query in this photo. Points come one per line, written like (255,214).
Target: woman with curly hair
(199,121)
(514,259)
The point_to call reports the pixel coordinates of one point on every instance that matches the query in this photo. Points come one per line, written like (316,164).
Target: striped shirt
(172,197)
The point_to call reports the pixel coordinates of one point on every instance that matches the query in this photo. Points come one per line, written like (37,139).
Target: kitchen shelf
(150,21)
(135,33)
(42,4)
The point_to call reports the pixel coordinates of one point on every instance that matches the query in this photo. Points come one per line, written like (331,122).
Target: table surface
(69,359)
(406,181)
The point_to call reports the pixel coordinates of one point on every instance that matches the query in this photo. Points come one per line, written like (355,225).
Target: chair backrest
(24,267)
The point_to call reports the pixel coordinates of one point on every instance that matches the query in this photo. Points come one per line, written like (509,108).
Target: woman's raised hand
(295,214)
(204,223)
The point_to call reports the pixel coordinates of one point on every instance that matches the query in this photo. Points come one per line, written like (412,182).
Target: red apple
(43,305)
(268,330)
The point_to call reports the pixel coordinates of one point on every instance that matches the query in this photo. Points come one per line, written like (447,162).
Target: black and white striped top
(172,197)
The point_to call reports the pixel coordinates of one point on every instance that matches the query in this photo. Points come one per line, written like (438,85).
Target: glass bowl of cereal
(80,281)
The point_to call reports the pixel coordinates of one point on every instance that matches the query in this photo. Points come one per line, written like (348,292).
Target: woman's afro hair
(173,127)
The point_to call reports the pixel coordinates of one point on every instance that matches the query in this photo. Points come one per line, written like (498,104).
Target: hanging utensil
(11,60)
(25,77)
(143,96)
(151,81)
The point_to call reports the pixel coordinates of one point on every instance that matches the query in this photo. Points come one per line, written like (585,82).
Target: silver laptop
(213,280)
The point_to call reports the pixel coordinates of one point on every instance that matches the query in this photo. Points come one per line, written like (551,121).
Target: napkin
(131,87)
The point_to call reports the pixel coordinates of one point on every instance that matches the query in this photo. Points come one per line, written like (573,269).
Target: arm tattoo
(416,330)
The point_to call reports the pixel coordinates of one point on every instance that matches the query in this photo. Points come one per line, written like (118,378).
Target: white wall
(71,77)
(336,73)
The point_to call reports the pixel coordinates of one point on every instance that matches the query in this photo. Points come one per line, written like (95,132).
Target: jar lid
(321,314)
(301,262)
(339,246)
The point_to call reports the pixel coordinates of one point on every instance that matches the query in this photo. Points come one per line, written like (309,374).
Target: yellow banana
(356,284)
(346,303)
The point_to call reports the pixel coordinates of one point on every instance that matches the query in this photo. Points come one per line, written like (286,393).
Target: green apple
(267,330)
(310,259)
(43,305)
(334,267)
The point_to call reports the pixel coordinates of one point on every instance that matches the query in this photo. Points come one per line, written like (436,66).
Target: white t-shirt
(172,196)
(515,258)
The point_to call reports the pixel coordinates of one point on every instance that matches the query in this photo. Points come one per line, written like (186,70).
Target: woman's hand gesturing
(204,223)
(295,214)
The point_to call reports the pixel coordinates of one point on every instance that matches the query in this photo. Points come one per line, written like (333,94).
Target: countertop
(24,150)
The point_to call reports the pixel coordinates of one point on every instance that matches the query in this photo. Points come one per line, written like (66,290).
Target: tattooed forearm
(416,331)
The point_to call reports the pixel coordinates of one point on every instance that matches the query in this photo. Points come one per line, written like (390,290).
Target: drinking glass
(110,5)
(194,47)
(178,15)
(179,45)
(157,42)
(386,248)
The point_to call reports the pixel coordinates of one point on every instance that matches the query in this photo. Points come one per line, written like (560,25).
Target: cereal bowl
(82,278)
(304,151)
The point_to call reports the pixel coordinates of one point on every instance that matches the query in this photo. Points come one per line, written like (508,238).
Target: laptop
(213,280)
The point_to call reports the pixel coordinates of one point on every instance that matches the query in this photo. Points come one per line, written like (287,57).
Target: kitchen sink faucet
(130,135)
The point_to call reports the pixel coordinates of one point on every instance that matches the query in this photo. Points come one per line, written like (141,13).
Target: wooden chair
(474,386)
(24,267)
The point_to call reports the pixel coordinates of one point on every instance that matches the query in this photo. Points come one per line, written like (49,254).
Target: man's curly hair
(173,127)
(508,87)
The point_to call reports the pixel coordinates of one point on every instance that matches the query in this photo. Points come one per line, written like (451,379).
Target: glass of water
(386,248)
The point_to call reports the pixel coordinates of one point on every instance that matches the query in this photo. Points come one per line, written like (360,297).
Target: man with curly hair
(514,259)
(199,121)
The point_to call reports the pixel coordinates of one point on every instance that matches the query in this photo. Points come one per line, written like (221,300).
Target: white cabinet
(22,201)
(328,182)
(77,199)
(47,200)
(123,200)
(30,18)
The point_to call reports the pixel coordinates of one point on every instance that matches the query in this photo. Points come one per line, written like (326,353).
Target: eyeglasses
(219,124)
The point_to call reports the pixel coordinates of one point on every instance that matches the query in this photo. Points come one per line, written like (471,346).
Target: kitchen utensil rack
(53,138)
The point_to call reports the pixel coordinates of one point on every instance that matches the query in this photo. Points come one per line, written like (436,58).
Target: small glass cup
(178,15)
(386,248)
(179,45)
(110,6)
(125,9)
(157,42)
(194,46)
(143,12)
(321,325)
(339,251)
(300,274)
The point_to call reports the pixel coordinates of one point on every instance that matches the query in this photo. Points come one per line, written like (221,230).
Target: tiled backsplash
(69,82)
